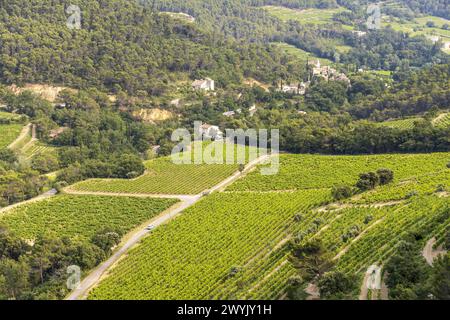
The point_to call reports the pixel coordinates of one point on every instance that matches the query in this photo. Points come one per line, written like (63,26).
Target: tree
(129,166)
(386,176)
(8,156)
(336,285)
(368,181)
(311,259)
(341,192)
(13,278)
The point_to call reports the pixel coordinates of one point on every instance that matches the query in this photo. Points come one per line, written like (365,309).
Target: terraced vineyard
(9,116)
(228,230)
(80,217)
(241,236)
(8,133)
(312,171)
(422,214)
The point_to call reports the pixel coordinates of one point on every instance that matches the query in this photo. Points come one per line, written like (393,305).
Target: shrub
(341,192)
(335,284)
(386,176)
(368,181)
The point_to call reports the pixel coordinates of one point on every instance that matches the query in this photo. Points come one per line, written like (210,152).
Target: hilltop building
(328,73)
(299,89)
(204,84)
(211,132)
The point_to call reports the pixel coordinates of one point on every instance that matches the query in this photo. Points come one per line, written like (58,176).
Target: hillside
(99,98)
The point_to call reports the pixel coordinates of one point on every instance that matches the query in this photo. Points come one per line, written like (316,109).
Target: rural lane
(41,197)
(132,239)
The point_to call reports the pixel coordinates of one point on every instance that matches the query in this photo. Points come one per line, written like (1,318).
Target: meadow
(307,16)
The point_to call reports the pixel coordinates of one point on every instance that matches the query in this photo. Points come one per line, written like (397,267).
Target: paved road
(93,278)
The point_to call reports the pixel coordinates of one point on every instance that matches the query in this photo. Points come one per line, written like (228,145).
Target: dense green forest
(135,50)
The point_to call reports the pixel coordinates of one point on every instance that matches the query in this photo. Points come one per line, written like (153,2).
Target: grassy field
(9,116)
(443,120)
(418,26)
(234,245)
(401,124)
(300,54)
(307,16)
(80,217)
(8,133)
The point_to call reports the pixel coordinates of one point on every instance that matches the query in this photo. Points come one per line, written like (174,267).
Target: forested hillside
(137,49)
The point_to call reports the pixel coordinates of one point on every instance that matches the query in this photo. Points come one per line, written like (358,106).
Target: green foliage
(81,217)
(164,177)
(336,285)
(248,223)
(341,192)
(9,133)
(319,171)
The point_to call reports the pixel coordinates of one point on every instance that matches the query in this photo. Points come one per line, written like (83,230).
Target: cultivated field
(80,217)
(196,255)
(8,133)
(312,171)
(234,245)
(165,177)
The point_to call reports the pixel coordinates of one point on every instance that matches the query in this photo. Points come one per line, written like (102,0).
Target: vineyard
(443,121)
(80,217)
(241,236)
(312,171)
(164,177)
(401,123)
(8,133)
(196,254)
(9,116)
(37,148)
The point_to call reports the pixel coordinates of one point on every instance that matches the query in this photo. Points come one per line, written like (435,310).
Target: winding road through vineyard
(187,201)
